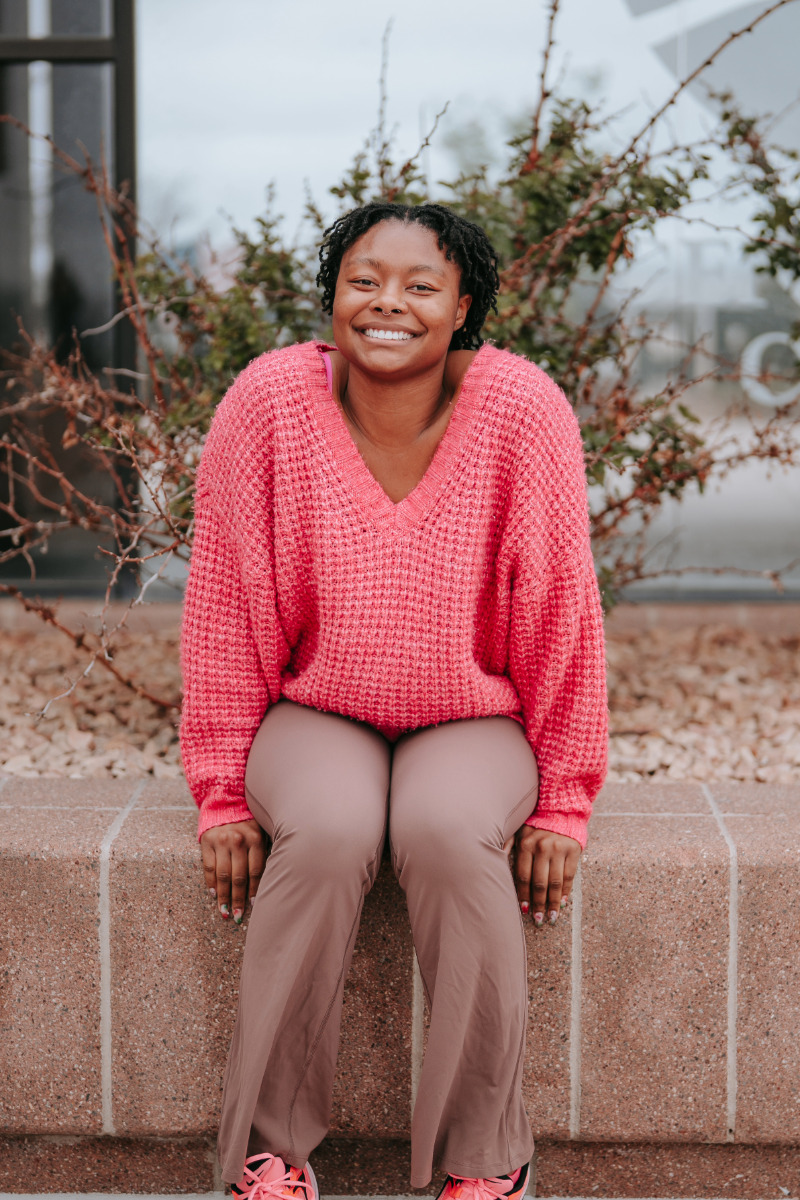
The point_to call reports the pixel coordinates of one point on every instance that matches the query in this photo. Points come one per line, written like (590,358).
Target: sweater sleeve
(233,649)
(556,648)
(226,692)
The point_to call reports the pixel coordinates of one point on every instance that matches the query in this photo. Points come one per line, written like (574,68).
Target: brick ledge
(664,1007)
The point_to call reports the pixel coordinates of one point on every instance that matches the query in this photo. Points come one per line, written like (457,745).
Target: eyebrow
(377,264)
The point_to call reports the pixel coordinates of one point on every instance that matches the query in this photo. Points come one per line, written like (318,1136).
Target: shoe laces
(460,1188)
(268,1182)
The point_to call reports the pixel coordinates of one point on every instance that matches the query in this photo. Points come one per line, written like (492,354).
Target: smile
(388,335)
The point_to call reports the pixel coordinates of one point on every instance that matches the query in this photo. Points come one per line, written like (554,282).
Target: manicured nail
(553,917)
(524,906)
(237,915)
(213,891)
(223,908)
(563,901)
(538,918)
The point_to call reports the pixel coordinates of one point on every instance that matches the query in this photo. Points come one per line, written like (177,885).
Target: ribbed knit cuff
(222,813)
(570,824)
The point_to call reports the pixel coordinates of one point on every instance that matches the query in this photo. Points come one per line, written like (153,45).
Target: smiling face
(397,301)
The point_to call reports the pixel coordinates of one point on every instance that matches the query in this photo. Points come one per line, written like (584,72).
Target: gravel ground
(711,700)
(714,701)
(101,727)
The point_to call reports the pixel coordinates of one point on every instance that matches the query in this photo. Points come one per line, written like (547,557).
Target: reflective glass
(82,294)
(67,18)
(13,18)
(14,204)
(56,275)
(81,18)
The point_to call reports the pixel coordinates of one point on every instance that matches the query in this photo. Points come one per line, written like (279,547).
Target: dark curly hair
(463,243)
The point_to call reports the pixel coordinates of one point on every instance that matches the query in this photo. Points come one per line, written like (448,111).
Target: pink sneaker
(502,1187)
(267,1177)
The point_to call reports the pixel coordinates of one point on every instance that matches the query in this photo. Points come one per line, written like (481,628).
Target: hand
(233,861)
(544,871)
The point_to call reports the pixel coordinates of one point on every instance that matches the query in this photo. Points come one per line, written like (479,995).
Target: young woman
(391,619)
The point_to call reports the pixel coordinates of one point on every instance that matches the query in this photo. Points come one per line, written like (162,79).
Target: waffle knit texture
(474,596)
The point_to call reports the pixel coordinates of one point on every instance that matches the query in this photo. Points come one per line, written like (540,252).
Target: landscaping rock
(709,701)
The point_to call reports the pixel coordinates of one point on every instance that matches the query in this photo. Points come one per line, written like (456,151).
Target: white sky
(235,95)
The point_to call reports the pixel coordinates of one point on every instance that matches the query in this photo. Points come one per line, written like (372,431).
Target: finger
(256,861)
(555,884)
(539,881)
(523,865)
(240,875)
(224,881)
(209,865)
(570,871)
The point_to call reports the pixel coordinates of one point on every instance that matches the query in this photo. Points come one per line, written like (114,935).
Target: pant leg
(458,791)
(318,783)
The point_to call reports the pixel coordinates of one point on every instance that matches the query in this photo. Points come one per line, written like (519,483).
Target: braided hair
(463,243)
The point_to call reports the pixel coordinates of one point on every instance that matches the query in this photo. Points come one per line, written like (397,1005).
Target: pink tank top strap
(328,370)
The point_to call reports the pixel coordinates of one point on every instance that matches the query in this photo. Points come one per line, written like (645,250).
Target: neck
(393,414)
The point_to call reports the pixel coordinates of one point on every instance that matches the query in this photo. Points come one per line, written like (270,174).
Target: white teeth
(389,335)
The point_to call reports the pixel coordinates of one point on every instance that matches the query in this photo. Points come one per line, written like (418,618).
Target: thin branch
(544,94)
(562,237)
(690,78)
(127,372)
(124,312)
(47,614)
(410,163)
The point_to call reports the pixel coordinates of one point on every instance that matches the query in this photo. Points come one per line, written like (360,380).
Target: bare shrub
(566,217)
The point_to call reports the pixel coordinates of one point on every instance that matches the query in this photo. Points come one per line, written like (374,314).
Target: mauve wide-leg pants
(323,787)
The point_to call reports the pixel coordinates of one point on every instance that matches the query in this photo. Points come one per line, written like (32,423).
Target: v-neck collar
(368,494)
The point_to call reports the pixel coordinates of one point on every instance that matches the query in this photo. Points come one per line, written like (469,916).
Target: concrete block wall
(663,1054)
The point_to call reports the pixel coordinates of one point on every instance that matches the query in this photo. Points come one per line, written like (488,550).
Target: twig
(690,78)
(562,237)
(424,144)
(47,614)
(124,312)
(544,94)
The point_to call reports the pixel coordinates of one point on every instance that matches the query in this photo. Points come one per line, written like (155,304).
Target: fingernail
(237,915)
(213,891)
(524,906)
(538,918)
(563,901)
(223,908)
(553,917)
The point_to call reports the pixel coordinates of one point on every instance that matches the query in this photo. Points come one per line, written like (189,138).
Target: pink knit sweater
(474,596)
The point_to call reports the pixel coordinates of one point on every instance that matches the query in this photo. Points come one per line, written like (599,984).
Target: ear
(462,310)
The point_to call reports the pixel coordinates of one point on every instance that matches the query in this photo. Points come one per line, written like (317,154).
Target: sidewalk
(181,1196)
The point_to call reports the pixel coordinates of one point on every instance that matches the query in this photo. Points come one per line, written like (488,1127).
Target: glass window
(67,18)
(14,204)
(14,18)
(56,275)
(81,18)
(81,293)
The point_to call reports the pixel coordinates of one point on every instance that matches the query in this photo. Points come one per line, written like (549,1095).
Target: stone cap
(663,1004)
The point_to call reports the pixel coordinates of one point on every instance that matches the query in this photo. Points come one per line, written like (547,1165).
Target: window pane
(72,18)
(82,294)
(14,18)
(14,204)
(56,277)
(81,17)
